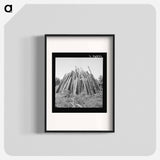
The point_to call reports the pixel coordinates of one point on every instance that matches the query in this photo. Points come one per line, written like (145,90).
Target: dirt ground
(67,100)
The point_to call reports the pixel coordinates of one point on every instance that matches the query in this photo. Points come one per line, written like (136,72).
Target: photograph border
(80,55)
(113,98)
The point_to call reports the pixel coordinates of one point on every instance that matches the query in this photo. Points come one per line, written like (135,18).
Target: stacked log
(78,81)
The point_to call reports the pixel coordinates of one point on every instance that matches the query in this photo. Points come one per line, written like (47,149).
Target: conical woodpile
(79,81)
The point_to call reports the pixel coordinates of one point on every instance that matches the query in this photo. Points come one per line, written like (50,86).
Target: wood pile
(78,81)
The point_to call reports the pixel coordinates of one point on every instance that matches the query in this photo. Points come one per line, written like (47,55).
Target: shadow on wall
(39,84)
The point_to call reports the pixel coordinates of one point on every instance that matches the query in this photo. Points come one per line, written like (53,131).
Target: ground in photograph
(67,100)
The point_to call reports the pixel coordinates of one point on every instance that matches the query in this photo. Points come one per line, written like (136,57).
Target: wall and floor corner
(134,29)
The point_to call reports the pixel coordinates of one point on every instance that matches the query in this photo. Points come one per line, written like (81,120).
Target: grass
(68,100)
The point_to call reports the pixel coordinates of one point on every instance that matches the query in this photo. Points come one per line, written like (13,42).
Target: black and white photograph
(79,82)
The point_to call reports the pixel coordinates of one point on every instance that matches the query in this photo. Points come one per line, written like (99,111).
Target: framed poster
(79,80)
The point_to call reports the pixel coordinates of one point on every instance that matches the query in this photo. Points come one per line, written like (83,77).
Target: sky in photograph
(66,65)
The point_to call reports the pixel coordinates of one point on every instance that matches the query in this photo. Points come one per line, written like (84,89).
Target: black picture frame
(113,86)
(80,55)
